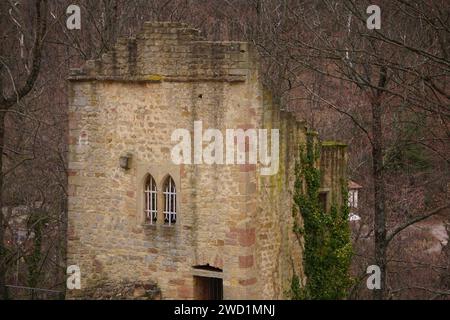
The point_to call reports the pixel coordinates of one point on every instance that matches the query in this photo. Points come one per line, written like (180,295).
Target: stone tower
(232,237)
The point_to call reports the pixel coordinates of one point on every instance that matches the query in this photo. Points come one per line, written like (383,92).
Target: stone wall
(121,290)
(333,165)
(279,251)
(232,222)
(169,51)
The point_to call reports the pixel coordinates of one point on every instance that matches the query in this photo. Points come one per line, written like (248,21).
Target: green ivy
(328,249)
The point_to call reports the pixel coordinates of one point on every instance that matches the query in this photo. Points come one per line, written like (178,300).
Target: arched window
(170,201)
(151,203)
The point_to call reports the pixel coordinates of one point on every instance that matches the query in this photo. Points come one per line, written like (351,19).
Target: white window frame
(151,200)
(353,198)
(170,201)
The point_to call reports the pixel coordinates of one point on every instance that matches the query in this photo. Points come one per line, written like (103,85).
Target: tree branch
(405,225)
(41,26)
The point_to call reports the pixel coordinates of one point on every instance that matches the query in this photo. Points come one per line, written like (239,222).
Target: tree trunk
(379,197)
(3,288)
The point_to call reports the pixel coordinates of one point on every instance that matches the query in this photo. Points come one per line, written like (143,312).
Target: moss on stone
(312,133)
(327,246)
(331,143)
(154,77)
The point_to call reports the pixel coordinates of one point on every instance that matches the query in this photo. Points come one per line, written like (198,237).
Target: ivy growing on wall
(328,249)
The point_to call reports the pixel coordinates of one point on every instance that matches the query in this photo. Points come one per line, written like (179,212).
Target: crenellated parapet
(168,51)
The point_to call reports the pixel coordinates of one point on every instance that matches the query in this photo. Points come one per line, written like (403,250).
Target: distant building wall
(333,166)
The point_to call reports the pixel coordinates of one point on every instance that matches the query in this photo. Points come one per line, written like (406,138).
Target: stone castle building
(197,230)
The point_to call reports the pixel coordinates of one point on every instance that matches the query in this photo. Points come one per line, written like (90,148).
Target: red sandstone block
(247,237)
(152,250)
(72,172)
(73,238)
(72,190)
(246,261)
(98,266)
(72,140)
(178,282)
(185,292)
(247,282)
(170,269)
(130,194)
(247,167)
(73,121)
(71,234)
(182,171)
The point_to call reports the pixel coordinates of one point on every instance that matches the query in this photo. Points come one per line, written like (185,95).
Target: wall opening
(207,267)
(323,199)
(207,288)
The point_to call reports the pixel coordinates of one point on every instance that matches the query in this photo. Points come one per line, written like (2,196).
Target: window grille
(170,202)
(353,199)
(151,204)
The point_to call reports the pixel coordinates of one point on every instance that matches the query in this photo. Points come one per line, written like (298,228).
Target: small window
(353,199)
(323,201)
(170,201)
(150,200)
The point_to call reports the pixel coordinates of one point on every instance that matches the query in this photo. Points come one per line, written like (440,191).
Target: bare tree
(19,86)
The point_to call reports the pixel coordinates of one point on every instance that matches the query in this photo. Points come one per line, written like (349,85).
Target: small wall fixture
(124,161)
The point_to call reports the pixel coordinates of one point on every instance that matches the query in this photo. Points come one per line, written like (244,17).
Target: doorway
(207,288)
